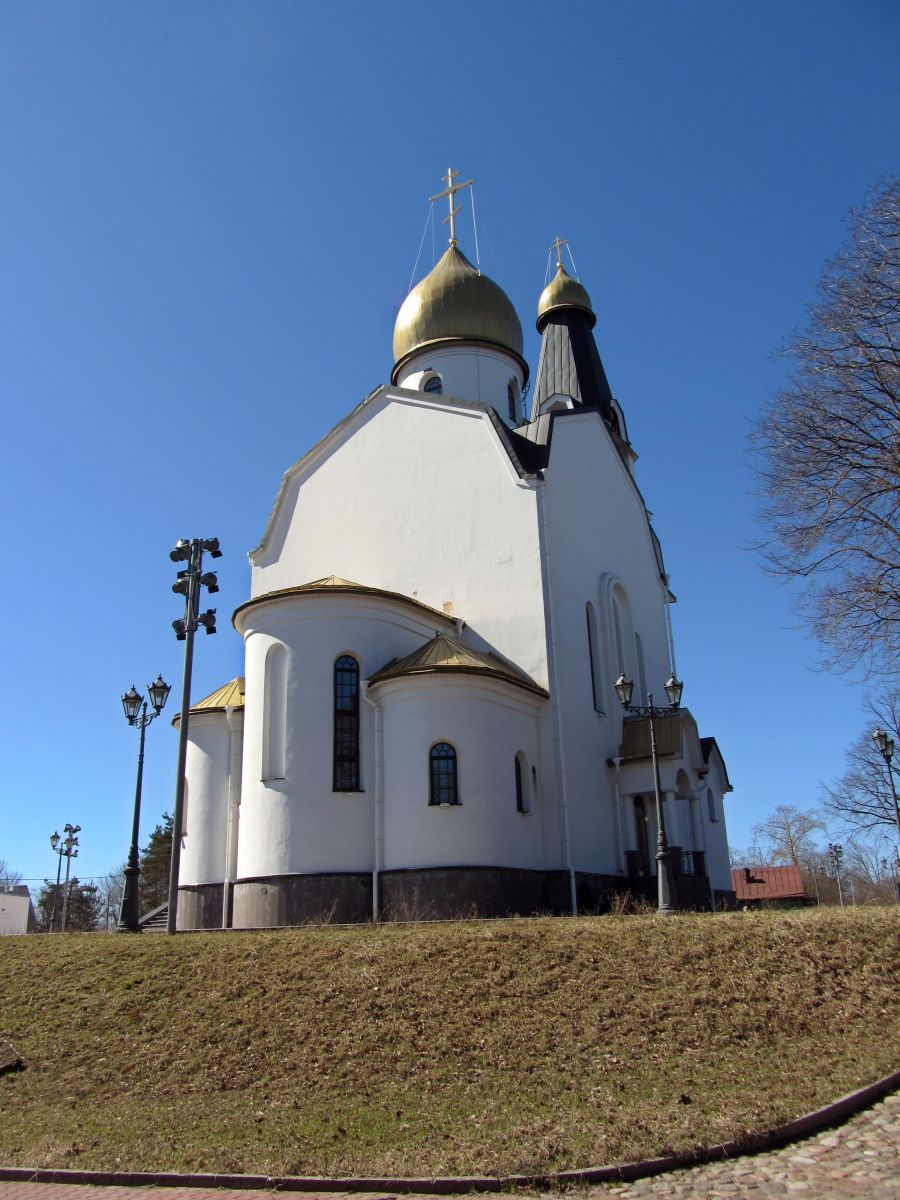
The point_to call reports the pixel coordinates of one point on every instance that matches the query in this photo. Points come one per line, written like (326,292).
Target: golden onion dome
(563,292)
(455,303)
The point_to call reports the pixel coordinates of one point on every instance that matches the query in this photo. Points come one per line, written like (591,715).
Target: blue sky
(209,213)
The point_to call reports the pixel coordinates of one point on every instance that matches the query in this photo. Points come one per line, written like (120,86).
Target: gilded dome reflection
(456,303)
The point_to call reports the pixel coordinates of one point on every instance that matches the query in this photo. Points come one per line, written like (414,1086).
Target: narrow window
(434,385)
(642,840)
(520,790)
(617,633)
(711,804)
(511,400)
(642,674)
(274,714)
(592,656)
(442,762)
(346,725)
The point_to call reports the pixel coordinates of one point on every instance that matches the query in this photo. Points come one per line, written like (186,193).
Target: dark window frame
(345,752)
(520,787)
(443,775)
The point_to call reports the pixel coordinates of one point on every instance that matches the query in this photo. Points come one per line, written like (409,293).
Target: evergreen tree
(156,858)
(83,911)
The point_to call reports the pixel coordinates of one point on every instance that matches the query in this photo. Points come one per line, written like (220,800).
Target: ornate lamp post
(136,714)
(836,853)
(188,584)
(624,689)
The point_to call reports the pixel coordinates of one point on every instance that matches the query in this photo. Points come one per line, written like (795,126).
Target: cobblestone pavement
(860,1158)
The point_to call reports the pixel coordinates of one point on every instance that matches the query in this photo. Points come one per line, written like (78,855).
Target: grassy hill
(447,1049)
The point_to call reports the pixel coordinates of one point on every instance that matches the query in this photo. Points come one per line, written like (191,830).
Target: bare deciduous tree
(861,799)
(829,449)
(8,877)
(786,836)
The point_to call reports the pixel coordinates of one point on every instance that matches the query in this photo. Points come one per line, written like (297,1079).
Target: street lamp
(885,744)
(836,853)
(665,882)
(136,714)
(65,848)
(188,584)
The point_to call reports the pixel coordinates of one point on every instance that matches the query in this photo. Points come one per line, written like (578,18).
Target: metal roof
(445,655)
(335,584)
(767,883)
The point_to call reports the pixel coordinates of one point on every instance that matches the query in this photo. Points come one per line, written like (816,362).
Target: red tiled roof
(767,883)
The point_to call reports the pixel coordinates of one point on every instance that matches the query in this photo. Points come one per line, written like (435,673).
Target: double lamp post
(136,714)
(665,882)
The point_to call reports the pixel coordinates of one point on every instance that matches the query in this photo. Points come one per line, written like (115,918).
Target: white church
(447,588)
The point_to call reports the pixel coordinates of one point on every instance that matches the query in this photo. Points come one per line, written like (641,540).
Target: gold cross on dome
(557,245)
(451,190)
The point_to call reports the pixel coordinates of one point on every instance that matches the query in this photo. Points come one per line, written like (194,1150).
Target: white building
(16,910)
(443,597)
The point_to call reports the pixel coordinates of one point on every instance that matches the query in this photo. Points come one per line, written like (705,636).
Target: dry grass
(448,1049)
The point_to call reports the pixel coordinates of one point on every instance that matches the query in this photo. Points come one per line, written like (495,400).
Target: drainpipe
(378,857)
(234,813)
(557,714)
(617,812)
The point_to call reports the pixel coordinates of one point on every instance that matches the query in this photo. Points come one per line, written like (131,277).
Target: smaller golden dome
(454,303)
(563,292)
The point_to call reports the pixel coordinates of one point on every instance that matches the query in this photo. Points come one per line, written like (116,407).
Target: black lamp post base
(129,915)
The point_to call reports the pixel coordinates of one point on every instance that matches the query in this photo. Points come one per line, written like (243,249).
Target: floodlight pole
(189,585)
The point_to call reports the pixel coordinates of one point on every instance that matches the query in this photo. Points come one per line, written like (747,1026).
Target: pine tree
(156,858)
(83,910)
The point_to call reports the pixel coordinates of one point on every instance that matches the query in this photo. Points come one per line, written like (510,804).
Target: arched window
(617,635)
(641,833)
(592,657)
(523,799)
(641,670)
(346,725)
(442,767)
(433,384)
(274,713)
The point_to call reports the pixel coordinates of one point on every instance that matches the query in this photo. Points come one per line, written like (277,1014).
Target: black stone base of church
(434,893)
(200,907)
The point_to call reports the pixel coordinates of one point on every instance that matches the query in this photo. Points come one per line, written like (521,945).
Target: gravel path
(861,1158)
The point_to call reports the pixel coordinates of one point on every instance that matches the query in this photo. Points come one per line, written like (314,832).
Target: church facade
(445,593)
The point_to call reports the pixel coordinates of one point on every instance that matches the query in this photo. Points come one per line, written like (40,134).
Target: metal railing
(641,863)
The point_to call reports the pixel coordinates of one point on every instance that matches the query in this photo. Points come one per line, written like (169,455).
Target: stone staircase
(155,920)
